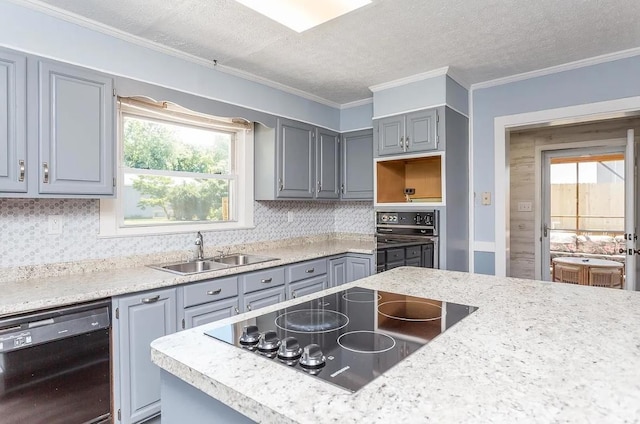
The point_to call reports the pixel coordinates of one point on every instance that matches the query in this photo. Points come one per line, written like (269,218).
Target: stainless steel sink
(211,264)
(237,259)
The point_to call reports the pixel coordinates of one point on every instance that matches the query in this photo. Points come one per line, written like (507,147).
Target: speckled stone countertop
(47,292)
(534,352)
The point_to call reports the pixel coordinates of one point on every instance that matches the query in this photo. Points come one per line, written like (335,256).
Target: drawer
(306,270)
(394,255)
(413,262)
(391,265)
(261,280)
(412,252)
(210,291)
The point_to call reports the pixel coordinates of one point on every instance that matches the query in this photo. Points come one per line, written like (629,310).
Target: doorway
(583,215)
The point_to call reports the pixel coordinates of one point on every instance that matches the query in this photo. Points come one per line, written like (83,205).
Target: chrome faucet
(200,244)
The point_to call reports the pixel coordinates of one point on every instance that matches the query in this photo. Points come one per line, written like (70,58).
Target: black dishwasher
(55,366)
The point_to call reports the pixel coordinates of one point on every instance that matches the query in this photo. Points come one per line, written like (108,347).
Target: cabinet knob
(249,306)
(235,308)
(293,294)
(22,170)
(45,172)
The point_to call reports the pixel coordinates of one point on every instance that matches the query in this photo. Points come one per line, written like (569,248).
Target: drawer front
(261,280)
(394,255)
(412,252)
(413,262)
(305,270)
(210,291)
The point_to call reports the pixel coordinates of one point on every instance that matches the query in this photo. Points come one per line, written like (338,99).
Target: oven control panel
(419,219)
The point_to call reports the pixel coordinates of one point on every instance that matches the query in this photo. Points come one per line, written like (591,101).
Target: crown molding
(142,42)
(455,75)
(609,57)
(406,80)
(357,103)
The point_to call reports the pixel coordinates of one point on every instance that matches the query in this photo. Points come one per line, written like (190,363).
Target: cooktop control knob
(250,336)
(290,350)
(269,343)
(312,358)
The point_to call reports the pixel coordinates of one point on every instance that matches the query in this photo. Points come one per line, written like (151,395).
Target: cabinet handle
(280,185)
(319,186)
(249,306)
(235,308)
(293,294)
(45,170)
(22,170)
(214,292)
(342,188)
(310,270)
(151,299)
(402,142)
(266,280)
(406,142)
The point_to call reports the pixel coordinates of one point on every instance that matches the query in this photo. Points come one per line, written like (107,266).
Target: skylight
(300,15)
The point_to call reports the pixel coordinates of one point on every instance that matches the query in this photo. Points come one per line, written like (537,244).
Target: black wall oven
(406,239)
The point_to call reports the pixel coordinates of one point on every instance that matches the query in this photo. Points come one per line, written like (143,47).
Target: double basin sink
(212,264)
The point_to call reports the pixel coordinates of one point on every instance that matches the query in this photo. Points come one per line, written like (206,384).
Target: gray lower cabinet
(210,312)
(349,268)
(357,165)
(140,319)
(263,298)
(13,122)
(76,137)
(308,286)
(407,133)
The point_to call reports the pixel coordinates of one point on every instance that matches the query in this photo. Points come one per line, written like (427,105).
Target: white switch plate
(525,207)
(486,198)
(54,224)
(289,216)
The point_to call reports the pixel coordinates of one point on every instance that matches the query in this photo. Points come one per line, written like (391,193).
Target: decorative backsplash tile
(24,239)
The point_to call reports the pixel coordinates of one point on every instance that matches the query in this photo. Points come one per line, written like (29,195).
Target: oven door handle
(385,230)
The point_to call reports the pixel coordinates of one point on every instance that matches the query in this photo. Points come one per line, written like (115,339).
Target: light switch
(486,198)
(525,207)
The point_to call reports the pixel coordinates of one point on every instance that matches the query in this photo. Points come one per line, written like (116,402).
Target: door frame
(599,146)
(628,106)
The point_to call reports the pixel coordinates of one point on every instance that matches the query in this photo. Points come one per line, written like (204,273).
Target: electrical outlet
(54,224)
(525,207)
(289,216)
(486,198)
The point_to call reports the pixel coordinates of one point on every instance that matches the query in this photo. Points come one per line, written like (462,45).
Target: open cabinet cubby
(422,174)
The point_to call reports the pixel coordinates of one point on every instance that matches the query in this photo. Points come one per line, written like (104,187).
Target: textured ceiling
(384,41)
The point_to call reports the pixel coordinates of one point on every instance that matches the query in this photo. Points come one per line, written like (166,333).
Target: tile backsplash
(24,239)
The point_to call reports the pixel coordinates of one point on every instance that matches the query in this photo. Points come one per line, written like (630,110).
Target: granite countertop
(533,352)
(47,292)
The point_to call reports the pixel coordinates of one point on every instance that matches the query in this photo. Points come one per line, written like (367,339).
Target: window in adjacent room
(179,170)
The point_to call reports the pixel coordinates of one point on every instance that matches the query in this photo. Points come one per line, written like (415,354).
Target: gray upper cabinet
(327,164)
(408,133)
(13,122)
(140,319)
(76,137)
(295,159)
(357,165)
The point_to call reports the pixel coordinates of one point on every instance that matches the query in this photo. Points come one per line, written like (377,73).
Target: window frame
(241,196)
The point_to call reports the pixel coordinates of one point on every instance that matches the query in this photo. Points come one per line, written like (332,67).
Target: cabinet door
(357,165)
(76,135)
(295,159)
(358,268)
(210,312)
(142,318)
(302,288)
(337,272)
(412,262)
(390,135)
(429,259)
(421,130)
(13,123)
(263,298)
(327,164)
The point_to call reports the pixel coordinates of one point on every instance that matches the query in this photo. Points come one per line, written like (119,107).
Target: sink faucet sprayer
(200,244)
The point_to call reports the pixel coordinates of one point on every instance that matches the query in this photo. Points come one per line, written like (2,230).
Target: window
(179,170)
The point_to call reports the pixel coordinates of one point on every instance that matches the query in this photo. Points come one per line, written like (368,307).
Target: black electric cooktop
(347,338)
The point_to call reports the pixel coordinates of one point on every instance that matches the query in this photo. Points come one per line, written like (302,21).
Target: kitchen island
(532,352)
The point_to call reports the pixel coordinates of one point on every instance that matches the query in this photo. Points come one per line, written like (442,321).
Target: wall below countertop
(24,240)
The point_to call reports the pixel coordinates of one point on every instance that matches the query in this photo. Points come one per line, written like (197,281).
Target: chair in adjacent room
(567,274)
(606,277)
